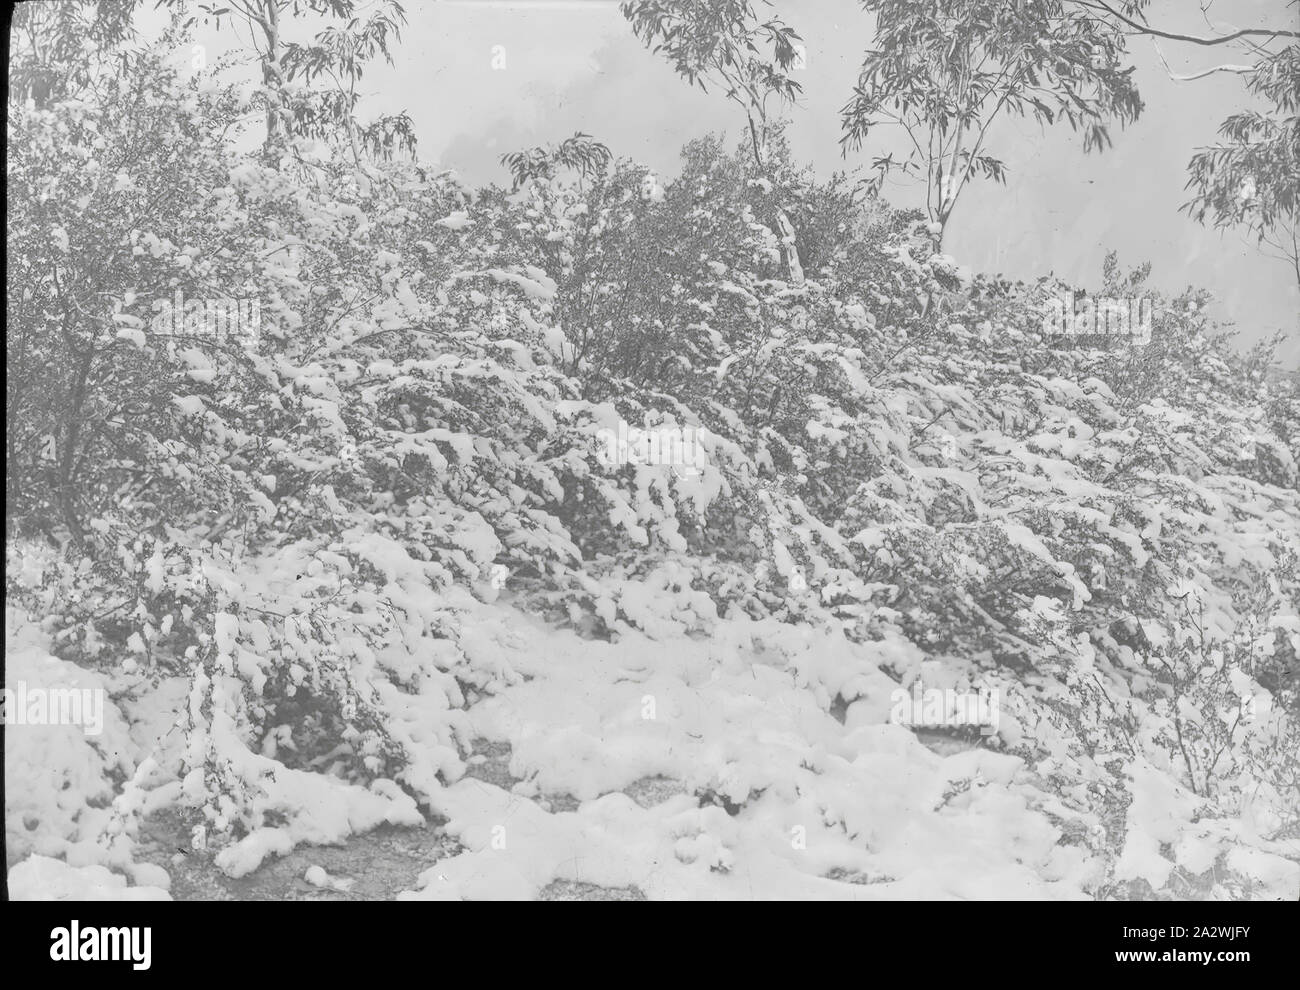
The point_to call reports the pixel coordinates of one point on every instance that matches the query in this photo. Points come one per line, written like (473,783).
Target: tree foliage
(585,156)
(338,55)
(946,70)
(1249,180)
(1252,179)
(740,48)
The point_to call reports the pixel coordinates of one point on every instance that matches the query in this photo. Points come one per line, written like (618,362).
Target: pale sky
(484,77)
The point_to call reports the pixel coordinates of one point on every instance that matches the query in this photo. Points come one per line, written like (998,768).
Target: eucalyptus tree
(946,70)
(741,48)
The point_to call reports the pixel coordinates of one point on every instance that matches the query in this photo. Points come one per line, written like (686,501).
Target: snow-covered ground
(663,768)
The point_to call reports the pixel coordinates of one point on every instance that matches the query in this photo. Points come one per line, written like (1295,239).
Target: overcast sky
(483,77)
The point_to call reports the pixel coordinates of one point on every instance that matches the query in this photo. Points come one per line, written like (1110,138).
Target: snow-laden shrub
(895,453)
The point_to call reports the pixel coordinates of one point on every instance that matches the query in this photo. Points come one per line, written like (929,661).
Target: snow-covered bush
(895,454)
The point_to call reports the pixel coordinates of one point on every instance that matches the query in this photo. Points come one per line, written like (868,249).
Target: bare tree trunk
(790,249)
(273,80)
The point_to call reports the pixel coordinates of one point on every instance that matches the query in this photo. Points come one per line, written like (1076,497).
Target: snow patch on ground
(759,762)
